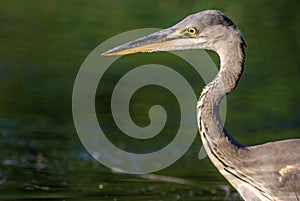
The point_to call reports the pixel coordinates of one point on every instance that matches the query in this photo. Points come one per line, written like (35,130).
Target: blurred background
(42,46)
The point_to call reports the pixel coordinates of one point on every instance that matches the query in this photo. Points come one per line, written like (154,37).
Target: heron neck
(210,125)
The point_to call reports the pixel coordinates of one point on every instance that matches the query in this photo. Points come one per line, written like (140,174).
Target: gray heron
(265,172)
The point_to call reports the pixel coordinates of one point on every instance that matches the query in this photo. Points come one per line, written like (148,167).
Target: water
(42,47)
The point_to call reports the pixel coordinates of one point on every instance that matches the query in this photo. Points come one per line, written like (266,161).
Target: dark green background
(42,46)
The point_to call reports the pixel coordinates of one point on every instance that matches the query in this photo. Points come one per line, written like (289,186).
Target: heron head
(204,30)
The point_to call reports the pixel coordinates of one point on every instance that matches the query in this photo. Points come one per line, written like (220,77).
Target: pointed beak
(163,40)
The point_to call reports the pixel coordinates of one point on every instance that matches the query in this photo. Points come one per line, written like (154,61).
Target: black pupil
(192,30)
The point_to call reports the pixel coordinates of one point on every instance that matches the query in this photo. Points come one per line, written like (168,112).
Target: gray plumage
(267,172)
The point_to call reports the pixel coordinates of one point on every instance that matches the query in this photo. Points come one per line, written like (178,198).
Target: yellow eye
(192,30)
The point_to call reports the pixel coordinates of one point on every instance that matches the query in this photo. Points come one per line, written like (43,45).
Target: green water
(42,46)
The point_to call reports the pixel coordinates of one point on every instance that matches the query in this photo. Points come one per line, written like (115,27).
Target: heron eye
(192,30)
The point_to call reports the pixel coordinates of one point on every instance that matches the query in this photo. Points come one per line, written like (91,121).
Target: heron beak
(160,41)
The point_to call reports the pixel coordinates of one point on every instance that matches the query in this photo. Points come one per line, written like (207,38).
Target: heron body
(267,172)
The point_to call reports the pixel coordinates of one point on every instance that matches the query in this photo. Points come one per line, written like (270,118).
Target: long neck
(211,128)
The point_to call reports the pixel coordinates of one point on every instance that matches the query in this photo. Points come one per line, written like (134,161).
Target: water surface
(43,44)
